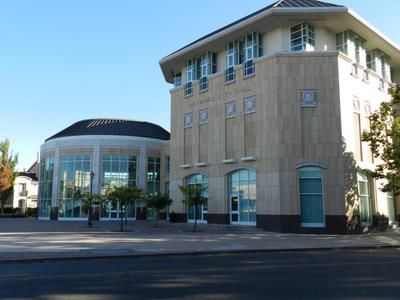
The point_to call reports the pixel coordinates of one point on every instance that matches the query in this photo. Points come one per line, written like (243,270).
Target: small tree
(88,200)
(384,141)
(193,198)
(123,195)
(158,202)
(8,162)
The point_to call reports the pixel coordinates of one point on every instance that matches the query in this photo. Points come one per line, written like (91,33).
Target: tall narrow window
(207,67)
(360,51)
(153,175)
(74,177)
(45,186)
(311,197)
(368,156)
(177,79)
(357,130)
(233,57)
(191,75)
(302,37)
(167,165)
(252,50)
(385,68)
(364,195)
(341,42)
(117,170)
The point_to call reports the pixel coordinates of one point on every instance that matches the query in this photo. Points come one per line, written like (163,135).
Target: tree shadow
(353,223)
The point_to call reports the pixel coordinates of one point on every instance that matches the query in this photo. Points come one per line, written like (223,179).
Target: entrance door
(234,210)
(113,211)
(242,197)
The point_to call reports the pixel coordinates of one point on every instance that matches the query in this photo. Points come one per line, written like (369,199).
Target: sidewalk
(30,239)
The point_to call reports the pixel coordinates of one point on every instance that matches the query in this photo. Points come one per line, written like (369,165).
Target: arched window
(311,197)
(242,197)
(199,180)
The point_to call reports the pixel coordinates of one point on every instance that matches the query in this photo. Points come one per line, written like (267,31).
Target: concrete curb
(189,253)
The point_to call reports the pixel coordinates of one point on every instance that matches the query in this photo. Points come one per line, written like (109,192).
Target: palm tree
(123,195)
(8,162)
(193,197)
(158,202)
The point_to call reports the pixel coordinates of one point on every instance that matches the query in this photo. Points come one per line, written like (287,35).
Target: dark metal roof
(114,127)
(304,3)
(28,174)
(278,4)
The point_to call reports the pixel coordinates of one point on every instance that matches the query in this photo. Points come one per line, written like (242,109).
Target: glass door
(242,190)
(234,210)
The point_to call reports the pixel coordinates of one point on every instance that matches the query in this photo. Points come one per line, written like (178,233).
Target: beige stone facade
(299,110)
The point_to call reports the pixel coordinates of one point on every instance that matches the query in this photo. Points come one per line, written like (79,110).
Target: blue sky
(67,60)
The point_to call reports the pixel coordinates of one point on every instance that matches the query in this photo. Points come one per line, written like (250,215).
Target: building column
(142,167)
(56,179)
(95,167)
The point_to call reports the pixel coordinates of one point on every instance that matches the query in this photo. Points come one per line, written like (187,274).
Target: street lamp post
(90,199)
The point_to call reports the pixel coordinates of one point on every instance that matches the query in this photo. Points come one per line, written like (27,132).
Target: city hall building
(93,155)
(267,116)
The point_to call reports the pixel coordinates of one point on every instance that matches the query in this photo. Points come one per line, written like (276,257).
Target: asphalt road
(350,274)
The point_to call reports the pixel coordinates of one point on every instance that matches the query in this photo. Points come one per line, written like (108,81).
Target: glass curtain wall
(243,197)
(200,181)
(45,187)
(74,178)
(117,171)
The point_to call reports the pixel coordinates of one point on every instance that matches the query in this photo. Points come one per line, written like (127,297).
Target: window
(371,63)
(357,135)
(302,37)
(378,61)
(351,44)
(385,68)
(45,186)
(192,68)
(188,91)
(234,57)
(252,50)
(311,197)
(22,187)
(177,79)
(153,175)
(167,165)
(360,51)
(243,197)
(207,67)
(341,42)
(117,170)
(364,196)
(74,177)
(391,212)
(200,181)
